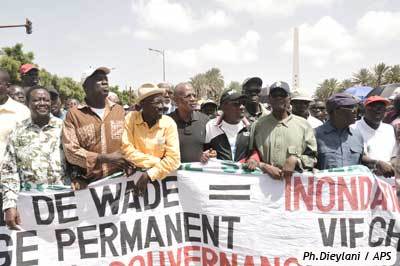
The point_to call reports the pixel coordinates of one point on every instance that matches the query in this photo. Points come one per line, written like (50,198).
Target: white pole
(296,78)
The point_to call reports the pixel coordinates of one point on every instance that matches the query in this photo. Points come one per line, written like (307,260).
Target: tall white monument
(296,79)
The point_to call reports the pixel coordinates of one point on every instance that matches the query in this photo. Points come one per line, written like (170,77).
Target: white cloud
(325,42)
(145,35)
(380,26)
(245,50)
(177,17)
(271,7)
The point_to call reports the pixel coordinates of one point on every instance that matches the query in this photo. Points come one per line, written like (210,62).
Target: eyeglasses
(349,108)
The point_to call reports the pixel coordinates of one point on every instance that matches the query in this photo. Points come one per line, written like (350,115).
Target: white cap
(301,96)
(87,73)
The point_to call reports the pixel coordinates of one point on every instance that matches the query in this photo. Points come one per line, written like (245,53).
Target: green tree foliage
(209,84)
(235,85)
(327,88)
(345,84)
(363,78)
(379,73)
(125,96)
(392,75)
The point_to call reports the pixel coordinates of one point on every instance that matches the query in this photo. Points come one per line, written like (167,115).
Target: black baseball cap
(231,95)
(255,80)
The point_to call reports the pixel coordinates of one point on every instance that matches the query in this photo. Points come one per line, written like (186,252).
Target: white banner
(215,215)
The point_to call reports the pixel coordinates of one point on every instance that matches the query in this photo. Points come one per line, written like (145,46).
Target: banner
(218,214)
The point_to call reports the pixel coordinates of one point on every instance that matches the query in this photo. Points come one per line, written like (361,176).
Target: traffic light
(28,26)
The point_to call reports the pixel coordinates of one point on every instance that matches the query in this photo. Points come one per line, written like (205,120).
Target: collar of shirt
(138,120)
(365,125)
(52,123)
(85,105)
(284,122)
(328,128)
(194,116)
(218,121)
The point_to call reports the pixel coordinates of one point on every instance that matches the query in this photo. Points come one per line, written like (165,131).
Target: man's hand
(289,166)
(384,168)
(273,171)
(116,158)
(77,184)
(210,153)
(141,184)
(12,219)
(251,164)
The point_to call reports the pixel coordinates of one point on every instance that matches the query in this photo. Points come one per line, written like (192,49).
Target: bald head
(181,88)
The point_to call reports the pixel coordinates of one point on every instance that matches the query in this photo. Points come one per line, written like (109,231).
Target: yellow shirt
(11,112)
(155,148)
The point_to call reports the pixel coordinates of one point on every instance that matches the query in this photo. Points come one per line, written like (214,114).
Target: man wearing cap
(191,124)
(284,141)
(209,108)
(11,112)
(339,144)
(92,133)
(228,135)
(251,88)
(150,139)
(300,106)
(318,110)
(56,105)
(379,138)
(29,76)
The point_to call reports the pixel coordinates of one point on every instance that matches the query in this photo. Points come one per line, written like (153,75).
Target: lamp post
(162,52)
(27,25)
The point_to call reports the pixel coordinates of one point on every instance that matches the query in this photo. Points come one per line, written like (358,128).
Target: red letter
(249,261)
(224,260)
(289,261)
(344,190)
(320,184)
(189,258)
(206,260)
(172,259)
(265,261)
(137,258)
(288,192)
(299,190)
(365,185)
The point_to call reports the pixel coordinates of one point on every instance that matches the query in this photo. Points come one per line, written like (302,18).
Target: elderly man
(29,76)
(191,124)
(56,105)
(300,106)
(11,112)
(339,144)
(34,157)
(251,87)
(169,104)
(379,138)
(17,93)
(209,108)
(284,141)
(150,140)
(318,110)
(92,133)
(229,134)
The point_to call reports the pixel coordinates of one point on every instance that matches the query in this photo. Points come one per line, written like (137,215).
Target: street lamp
(27,25)
(162,52)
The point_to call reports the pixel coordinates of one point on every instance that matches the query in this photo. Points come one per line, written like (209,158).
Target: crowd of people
(43,144)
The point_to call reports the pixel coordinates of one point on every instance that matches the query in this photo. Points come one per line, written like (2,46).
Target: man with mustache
(150,140)
(34,157)
(92,133)
(285,142)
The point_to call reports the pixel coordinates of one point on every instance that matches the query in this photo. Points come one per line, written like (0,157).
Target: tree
(327,88)
(392,75)
(379,72)
(363,78)
(345,84)
(209,84)
(235,85)
(12,58)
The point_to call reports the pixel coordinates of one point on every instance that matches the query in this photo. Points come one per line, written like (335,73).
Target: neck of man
(41,121)
(3,99)
(98,103)
(280,114)
(305,115)
(253,108)
(151,121)
(232,121)
(184,115)
(372,124)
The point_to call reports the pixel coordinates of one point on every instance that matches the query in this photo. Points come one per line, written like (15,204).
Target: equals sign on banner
(229,192)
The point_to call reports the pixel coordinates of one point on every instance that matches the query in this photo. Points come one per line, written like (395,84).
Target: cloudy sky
(242,38)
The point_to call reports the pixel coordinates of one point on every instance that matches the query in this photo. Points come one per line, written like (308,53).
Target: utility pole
(162,52)
(27,26)
(296,78)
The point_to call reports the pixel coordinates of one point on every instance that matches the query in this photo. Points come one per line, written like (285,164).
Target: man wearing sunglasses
(339,144)
(228,135)
(379,138)
(251,88)
(285,142)
(191,123)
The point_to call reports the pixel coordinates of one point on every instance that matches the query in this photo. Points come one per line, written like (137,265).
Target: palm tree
(215,82)
(326,89)
(392,75)
(345,84)
(363,78)
(199,83)
(379,72)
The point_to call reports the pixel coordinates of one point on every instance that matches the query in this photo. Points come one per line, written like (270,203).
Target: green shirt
(277,140)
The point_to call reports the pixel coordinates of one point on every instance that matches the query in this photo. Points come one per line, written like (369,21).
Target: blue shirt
(338,147)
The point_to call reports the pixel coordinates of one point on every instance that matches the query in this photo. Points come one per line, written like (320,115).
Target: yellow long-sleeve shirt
(155,148)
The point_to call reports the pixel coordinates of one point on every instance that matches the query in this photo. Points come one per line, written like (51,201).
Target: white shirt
(231,132)
(314,122)
(380,143)
(11,112)
(99,112)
